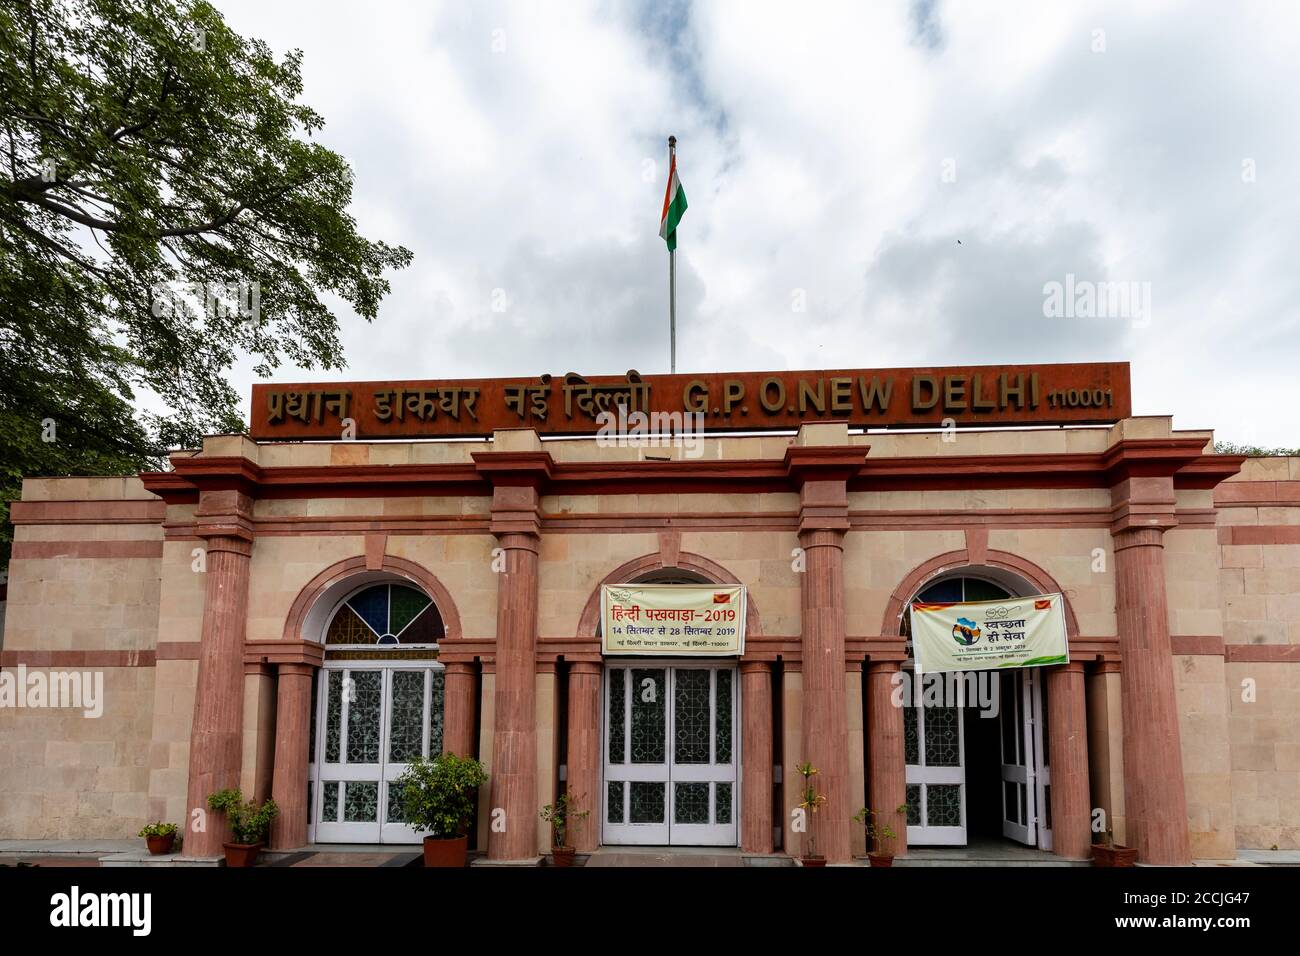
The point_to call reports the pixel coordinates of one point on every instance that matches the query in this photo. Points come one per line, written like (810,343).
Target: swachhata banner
(983,635)
(673,619)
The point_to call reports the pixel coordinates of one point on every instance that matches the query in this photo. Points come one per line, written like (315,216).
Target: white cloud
(507,144)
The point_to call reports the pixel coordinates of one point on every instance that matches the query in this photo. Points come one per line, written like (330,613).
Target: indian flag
(674,207)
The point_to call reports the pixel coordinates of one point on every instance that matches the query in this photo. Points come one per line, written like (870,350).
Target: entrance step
(674,856)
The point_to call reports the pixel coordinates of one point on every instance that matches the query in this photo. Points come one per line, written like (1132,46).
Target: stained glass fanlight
(386,615)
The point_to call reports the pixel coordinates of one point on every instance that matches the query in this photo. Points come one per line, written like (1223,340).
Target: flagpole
(672,282)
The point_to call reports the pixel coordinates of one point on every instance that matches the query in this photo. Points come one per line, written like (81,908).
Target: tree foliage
(164,211)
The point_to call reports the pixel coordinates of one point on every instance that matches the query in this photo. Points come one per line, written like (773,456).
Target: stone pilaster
(887,770)
(1155,798)
(460,694)
(1067,720)
(756,760)
(821,473)
(224,522)
(292,736)
(583,759)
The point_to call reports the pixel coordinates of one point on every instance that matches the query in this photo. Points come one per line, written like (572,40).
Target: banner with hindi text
(683,620)
(983,635)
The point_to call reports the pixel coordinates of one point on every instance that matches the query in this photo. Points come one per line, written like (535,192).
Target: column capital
(224,518)
(755,667)
(1138,537)
(585,667)
(1143,503)
(460,668)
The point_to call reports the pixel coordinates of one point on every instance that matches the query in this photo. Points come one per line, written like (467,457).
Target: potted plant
(558,814)
(160,837)
(880,836)
(438,797)
(248,822)
(811,800)
(1110,853)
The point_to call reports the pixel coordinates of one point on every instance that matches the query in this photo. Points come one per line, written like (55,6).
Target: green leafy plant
(810,800)
(249,821)
(559,813)
(158,829)
(880,836)
(438,793)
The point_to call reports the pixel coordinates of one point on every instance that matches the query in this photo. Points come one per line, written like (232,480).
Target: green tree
(164,210)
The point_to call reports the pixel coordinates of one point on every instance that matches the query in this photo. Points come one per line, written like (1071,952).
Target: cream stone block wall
(1192,581)
(1081,561)
(570,566)
(67,776)
(1265,733)
(463,563)
(764,561)
(184,589)
(169,747)
(877,562)
(1207,765)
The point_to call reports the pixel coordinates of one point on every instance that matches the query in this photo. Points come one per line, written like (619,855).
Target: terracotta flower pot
(881,859)
(442,852)
(562,856)
(158,845)
(1103,855)
(814,861)
(241,854)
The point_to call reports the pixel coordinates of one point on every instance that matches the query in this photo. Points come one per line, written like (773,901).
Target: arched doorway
(377,705)
(976,744)
(671,745)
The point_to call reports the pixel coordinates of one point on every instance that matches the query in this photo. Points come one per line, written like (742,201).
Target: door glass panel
(1047,806)
(363,716)
(333,716)
(911,740)
(406,716)
(1010,801)
(329,807)
(943,805)
(396,812)
(437,697)
(722,803)
(691,718)
(1024,804)
(649,702)
(614,801)
(617,706)
(360,801)
(647,802)
(941,746)
(722,719)
(1045,758)
(913,804)
(691,802)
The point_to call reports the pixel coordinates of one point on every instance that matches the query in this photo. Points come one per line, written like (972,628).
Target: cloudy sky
(911,175)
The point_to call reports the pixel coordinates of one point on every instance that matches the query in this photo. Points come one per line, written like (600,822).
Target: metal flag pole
(672,279)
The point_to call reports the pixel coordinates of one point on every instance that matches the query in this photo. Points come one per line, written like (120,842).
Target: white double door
(671,749)
(372,719)
(935,746)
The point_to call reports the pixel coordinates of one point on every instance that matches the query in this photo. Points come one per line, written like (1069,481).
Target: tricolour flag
(674,207)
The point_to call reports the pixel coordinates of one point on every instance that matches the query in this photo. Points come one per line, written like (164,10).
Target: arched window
(385,615)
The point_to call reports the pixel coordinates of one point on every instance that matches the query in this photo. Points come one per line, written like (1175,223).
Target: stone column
(516,472)
(756,757)
(1067,722)
(583,759)
(223,520)
(887,770)
(460,698)
(292,735)
(1154,796)
(821,469)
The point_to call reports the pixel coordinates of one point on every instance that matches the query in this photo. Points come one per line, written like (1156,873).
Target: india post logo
(965,632)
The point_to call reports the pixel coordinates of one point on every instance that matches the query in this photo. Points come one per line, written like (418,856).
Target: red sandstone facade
(1180,569)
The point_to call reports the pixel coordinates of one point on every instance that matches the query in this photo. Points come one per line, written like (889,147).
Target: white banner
(983,635)
(673,619)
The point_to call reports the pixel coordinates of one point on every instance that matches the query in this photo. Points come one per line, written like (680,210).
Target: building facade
(301,618)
